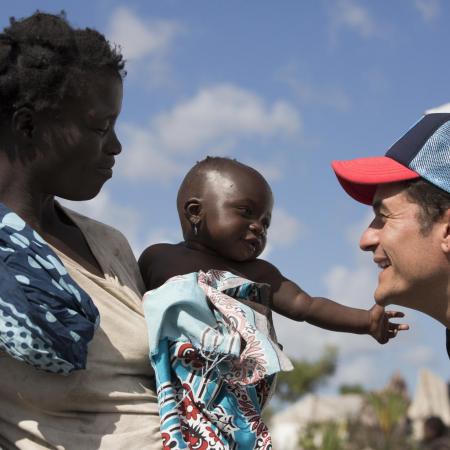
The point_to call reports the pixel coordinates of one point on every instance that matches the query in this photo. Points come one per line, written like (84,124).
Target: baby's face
(237,213)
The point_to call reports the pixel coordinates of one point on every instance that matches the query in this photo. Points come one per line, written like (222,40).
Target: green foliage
(306,376)
(386,430)
(267,414)
(389,409)
(323,436)
(345,389)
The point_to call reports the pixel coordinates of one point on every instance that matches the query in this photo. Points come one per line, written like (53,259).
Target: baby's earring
(195,222)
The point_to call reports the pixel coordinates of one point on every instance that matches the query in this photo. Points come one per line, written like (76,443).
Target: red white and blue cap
(423,152)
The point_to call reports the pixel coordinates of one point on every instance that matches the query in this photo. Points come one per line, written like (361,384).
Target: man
(409,189)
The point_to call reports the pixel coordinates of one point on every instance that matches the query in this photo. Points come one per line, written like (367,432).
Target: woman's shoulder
(111,246)
(93,226)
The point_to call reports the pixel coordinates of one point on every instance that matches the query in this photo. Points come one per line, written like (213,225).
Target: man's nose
(369,239)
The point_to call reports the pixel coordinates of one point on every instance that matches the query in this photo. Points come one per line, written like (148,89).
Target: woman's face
(77,143)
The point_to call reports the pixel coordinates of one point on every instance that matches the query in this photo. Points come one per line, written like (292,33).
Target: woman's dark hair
(433,201)
(42,57)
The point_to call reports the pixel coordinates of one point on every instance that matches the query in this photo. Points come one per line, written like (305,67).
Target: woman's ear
(23,122)
(193,210)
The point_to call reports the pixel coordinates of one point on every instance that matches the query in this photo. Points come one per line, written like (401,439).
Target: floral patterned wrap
(46,319)
(214,359)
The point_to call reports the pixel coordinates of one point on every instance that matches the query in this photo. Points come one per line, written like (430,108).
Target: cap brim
(360,177)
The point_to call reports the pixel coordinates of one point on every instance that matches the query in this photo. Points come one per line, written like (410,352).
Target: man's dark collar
(448,342)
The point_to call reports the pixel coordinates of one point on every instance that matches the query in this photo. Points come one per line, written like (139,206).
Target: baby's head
(225,208)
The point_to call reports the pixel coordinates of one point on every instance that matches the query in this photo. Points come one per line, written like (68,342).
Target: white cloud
(145,159)
(215,118)
(285,229)
(353,16)
(270,170)
(144,43)
(445,108)
(140,39)
(428,9)
(219,111)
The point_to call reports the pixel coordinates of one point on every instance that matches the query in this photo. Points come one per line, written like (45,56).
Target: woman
(60,95)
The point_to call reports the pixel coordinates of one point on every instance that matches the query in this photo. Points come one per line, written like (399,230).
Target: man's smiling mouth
(383,264)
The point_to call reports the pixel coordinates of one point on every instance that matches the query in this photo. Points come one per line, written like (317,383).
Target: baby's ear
(193,210)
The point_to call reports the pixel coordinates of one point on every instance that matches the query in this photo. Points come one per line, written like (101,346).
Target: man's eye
(379,218)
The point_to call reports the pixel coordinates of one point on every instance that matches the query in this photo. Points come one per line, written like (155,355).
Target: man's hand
(380,326)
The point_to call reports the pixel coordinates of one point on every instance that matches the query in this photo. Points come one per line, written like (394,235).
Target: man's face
(414,268)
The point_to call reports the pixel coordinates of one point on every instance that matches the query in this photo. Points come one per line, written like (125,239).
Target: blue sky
(286,87)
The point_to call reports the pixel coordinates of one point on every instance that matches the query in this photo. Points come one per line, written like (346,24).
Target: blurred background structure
(355,418)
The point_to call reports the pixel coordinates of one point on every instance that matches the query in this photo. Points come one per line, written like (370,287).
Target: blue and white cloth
(46,319)
(214,361)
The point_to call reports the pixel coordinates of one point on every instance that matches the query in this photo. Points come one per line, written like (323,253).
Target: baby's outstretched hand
(380,326)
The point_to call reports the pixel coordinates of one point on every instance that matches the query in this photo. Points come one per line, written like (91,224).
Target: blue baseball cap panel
(432,162)
(422,152)
(407,147)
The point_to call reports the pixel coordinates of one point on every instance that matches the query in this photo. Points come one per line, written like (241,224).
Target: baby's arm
(289,300)
(155,266)
(145,263)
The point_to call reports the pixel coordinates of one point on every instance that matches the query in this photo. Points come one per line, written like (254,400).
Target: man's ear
(23,123)
(445,243)
(193,210)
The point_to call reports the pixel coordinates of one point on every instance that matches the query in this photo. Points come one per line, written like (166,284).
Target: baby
(225,211)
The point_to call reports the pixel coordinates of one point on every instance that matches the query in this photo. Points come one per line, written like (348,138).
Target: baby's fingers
(391,314)
(401,326)
(396,326)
